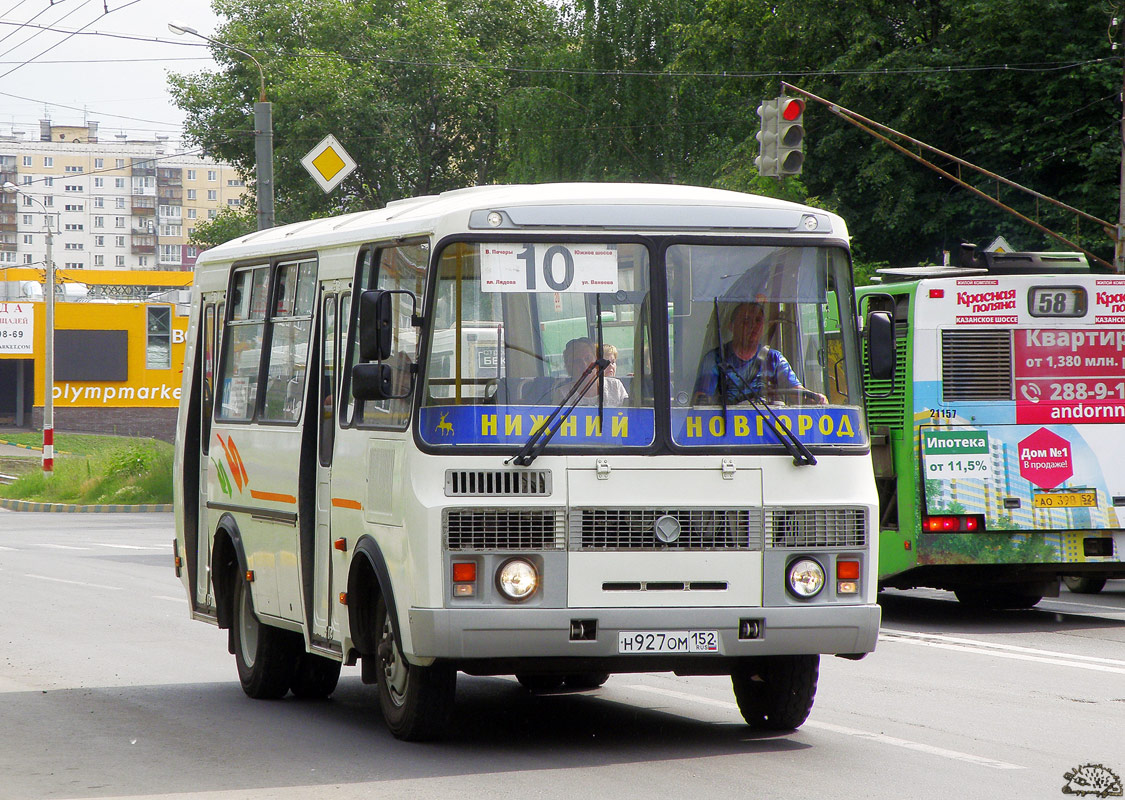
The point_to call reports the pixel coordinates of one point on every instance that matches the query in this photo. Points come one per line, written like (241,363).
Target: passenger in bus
(744,367)
(609,353)
(578,355)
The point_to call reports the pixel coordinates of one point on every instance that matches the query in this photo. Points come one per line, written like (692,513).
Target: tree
(228,224)
(411,89)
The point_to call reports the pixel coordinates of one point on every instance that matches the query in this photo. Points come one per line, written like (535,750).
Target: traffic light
(790,135)
(767,162)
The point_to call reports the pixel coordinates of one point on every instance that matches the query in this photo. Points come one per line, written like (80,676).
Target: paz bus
(382,460)
(997,445)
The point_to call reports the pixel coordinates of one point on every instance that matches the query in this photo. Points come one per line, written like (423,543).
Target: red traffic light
(792,109)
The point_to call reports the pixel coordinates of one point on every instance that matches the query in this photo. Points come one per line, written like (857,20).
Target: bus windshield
(752,342)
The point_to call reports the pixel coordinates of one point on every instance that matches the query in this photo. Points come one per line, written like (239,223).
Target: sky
(121,83)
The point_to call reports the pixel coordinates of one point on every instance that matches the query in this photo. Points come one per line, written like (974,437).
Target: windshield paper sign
(1069,376)
(513,425)
(543,267)
(812,426)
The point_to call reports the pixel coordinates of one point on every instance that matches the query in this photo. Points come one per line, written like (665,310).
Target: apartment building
(116,204)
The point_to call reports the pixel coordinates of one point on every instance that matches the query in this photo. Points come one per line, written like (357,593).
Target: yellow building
(119,350)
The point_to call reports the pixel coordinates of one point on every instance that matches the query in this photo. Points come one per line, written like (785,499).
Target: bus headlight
(517,579)
(805,578)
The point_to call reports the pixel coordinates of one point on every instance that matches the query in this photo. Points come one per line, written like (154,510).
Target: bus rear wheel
(775,693)
(266,656)
(1084,585)
(416,702)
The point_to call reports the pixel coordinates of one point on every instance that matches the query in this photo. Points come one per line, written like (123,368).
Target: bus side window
(290,331)
(242,344)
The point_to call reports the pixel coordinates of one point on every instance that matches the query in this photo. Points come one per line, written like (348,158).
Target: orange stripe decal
(343,502)
(274,496)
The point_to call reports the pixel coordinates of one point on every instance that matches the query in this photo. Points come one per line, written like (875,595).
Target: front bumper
(462,634)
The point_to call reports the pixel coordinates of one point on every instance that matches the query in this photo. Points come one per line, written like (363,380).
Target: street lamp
(49,339)
(263,129)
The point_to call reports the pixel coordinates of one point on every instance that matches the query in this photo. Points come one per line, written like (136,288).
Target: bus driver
(748,368)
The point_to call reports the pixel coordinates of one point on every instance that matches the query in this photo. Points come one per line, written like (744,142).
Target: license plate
(1065,500)
(668,642)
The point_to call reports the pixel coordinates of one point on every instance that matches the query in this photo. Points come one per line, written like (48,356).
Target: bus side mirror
(372,381)
(879,329)
(375,321)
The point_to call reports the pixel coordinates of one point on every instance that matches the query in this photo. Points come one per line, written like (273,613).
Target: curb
(34,448)
(73,508)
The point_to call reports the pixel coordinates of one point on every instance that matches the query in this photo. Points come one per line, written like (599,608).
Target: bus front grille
(815,527)
(504,529)
(693,529)
(497,483)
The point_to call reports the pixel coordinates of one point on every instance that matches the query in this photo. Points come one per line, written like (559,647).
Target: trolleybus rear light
(847,587)
(937,293)
(951,524)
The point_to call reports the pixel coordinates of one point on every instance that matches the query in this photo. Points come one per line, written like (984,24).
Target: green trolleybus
(997,446)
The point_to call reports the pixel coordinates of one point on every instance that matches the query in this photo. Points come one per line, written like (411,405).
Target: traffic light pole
(1119,241)
(883,133)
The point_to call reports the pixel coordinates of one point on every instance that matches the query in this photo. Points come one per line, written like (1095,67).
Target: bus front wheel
(775,693)
(266,656)
(416,702)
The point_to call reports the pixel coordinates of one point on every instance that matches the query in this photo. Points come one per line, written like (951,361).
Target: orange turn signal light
(847,570)
(464,572)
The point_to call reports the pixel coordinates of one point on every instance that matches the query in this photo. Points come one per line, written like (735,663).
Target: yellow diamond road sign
(328,163)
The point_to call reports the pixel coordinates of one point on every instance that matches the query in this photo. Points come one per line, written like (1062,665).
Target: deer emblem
(444,426)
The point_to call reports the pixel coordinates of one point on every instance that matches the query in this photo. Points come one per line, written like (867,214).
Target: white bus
(376,464)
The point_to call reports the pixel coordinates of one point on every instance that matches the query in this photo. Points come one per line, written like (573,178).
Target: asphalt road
(107,689)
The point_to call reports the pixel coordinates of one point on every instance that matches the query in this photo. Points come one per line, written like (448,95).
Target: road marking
(128,546)
(57,546)
(75,583)
(881,738)
(166,597)
(1011,651)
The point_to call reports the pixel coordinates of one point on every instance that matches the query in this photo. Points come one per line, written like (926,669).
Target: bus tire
(997,598)
(775,693)
(416,702)
(266,656)
(587,680)
(1084,585)
(539,683)
(315,677)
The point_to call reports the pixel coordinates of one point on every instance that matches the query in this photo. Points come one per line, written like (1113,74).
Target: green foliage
(128,471)
(228,224)
(435,95)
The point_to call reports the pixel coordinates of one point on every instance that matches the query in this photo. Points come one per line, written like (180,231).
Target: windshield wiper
(542,436)
(802,456)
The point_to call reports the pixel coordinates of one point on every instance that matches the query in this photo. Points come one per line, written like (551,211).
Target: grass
(96,469)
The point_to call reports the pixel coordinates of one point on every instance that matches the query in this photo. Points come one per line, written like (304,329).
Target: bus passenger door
(204,590)
(322,611)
